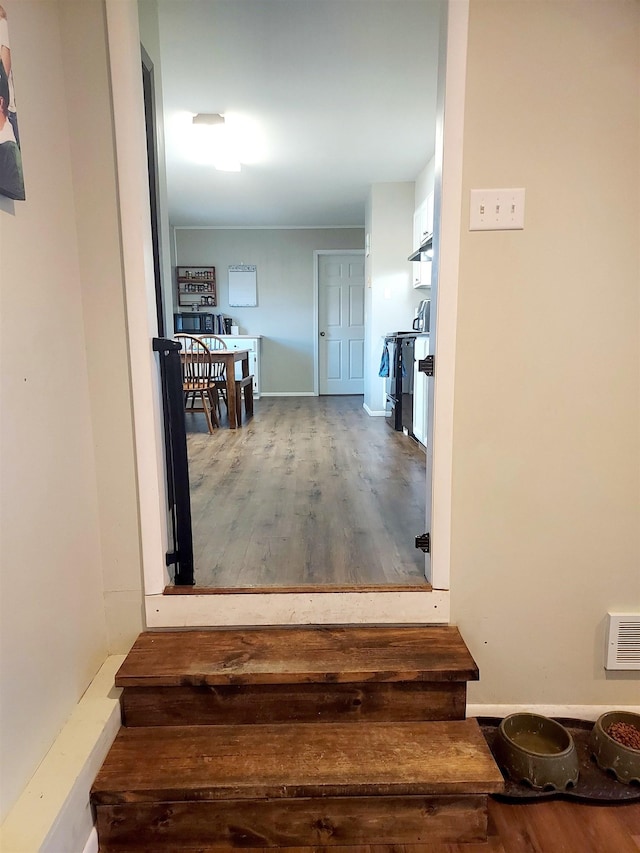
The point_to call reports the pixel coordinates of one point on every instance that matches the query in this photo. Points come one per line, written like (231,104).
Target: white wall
(424,182)
(69,523)
(390,299)
(284,314)
(546,491)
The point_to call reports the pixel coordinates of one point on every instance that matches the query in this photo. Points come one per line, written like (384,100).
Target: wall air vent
(623,641)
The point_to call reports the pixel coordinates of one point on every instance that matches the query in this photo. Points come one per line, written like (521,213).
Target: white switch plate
(497,210)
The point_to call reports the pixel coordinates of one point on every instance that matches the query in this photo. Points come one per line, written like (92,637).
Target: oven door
(407,358)
(393,385)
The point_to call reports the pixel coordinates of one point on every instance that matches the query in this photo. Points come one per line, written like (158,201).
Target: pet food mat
(594,784)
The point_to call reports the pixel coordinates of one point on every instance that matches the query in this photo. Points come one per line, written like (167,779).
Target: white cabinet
(422,228)
(253,345)
(423,221)
(422,273)
(420,400)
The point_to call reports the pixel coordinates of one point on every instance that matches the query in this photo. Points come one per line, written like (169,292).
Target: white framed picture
(243,286)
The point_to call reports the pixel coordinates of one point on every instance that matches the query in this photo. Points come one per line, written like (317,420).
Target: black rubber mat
(593,784)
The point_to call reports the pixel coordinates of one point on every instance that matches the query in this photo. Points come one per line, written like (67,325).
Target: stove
(399,383)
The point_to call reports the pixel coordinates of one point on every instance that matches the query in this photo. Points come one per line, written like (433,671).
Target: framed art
(11,177)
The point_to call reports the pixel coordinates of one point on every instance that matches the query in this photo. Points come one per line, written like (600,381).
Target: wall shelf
(196,286)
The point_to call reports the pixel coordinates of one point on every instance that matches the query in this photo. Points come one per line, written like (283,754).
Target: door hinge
(426,365)
(424,542)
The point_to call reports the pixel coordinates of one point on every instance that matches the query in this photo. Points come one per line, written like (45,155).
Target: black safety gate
(176,455)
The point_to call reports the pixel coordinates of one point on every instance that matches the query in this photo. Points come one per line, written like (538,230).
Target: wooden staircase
(294,737)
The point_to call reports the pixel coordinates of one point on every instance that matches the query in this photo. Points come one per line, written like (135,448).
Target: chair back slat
(197,366)
(214,343)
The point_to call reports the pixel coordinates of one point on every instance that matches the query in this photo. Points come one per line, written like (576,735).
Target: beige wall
(68,514)
(284,314)
(546,493)
(99,255)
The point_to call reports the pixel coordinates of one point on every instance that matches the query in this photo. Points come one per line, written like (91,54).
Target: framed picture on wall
(11,177)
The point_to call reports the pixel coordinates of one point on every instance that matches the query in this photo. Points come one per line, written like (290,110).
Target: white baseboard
(288,394)
(53,813)
(374,413)
(92,842)
(576,712)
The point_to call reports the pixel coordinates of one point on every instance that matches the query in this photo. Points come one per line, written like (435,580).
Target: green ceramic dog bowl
(537,751)
(611,756)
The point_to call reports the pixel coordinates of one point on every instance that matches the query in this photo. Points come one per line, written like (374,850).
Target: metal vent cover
(623,641)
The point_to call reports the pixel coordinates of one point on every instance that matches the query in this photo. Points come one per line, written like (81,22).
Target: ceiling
(336,95)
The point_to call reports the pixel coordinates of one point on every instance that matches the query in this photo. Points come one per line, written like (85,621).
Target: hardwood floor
(310,491)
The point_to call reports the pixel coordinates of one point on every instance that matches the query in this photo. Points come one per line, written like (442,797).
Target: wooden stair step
(296,760)
(295,655)
(205,787)
(260,675)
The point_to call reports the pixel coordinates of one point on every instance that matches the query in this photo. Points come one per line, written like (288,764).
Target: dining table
(229,357)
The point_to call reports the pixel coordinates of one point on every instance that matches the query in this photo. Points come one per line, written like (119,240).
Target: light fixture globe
(210,119)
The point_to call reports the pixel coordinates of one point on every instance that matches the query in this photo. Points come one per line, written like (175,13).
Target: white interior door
(341,324)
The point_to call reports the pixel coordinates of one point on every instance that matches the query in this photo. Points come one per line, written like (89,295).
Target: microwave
(193,323)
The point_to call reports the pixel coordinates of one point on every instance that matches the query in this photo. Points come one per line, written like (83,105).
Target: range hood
(424,252)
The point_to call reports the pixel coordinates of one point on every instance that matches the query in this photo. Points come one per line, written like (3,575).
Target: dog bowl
(537,751)
(610,755)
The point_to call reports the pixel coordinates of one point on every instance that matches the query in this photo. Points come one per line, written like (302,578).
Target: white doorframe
(444,306)
(316,308)
(137,259)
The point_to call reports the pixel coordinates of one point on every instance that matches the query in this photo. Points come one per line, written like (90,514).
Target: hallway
(311,491)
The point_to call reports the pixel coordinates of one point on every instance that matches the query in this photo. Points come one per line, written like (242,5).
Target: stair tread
(297,655)
(182,763)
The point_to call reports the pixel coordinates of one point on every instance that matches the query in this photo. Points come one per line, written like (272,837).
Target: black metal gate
(176,456)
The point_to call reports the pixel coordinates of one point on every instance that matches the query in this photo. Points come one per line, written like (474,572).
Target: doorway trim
(275,608)
(317,254)
(444,309)
(139,285)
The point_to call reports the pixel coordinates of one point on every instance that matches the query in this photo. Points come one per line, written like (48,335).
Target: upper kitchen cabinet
(422,229)
(423,222)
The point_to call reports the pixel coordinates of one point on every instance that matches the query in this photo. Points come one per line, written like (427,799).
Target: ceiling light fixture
(216,144)
(210,119)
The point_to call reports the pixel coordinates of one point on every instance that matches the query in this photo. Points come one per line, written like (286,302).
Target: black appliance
(194,323)
(399,383)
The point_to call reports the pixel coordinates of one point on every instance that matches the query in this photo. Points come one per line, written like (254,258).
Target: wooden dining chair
(220,378)
(198,378)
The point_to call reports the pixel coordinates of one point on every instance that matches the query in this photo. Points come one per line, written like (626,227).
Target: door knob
(322,334)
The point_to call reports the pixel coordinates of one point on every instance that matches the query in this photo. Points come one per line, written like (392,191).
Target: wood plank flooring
(310,491)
